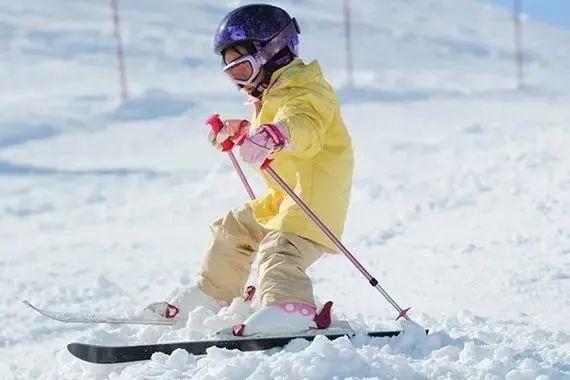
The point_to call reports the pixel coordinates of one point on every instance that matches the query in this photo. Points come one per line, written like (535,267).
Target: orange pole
(519,59)
(120,53)
(348,43)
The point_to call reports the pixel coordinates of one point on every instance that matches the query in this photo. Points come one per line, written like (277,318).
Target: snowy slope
(460,206)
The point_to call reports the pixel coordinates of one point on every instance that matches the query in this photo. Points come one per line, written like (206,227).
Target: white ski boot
(287,318)
(183,303)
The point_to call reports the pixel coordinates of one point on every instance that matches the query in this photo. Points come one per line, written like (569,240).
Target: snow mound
(469,347)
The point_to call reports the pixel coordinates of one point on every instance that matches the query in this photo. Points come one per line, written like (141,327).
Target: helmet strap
(257,92)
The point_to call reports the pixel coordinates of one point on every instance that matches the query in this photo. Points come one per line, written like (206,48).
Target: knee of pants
(279,259)
(240,226)
(231,252)
(276,244)
(290,248)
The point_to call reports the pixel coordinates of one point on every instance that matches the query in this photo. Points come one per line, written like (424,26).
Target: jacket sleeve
(306,125)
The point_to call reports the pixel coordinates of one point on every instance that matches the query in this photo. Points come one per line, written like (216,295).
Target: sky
(552,11)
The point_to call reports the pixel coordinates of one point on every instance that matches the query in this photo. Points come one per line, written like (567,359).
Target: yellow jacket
(319,165)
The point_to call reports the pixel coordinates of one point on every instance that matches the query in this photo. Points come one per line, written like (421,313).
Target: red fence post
(120,54)
(517,9)
(348,43)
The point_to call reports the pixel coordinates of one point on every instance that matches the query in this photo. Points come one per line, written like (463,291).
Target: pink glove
(263,142)
(234,130)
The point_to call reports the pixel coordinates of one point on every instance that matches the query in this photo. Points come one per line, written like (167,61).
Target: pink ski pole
(216,124)
(402,313)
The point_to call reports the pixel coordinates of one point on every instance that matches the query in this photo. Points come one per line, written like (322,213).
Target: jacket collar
(293,75)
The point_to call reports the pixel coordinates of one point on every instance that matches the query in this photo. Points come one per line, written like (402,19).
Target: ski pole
(402,313)
(216,124)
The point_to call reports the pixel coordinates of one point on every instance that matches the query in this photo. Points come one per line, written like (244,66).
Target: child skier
(297,124)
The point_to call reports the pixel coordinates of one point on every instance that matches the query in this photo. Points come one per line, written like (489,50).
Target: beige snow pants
(283,260)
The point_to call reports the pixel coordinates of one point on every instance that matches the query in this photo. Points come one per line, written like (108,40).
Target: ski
(124,354)
(94,318)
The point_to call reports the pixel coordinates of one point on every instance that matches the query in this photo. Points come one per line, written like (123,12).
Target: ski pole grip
(216,124)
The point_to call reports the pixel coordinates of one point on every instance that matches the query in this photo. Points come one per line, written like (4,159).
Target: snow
(460,204)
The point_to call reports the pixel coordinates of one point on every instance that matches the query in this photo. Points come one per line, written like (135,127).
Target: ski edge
(124,354)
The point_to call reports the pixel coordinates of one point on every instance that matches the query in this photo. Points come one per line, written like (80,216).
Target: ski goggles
(243,70)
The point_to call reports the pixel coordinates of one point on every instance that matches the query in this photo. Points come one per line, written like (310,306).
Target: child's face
(242,71)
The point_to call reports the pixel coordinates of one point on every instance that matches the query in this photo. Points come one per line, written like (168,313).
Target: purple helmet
(264,28)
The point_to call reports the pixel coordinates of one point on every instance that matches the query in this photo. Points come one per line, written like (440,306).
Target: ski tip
(73,349)
(84,352)
(28,304)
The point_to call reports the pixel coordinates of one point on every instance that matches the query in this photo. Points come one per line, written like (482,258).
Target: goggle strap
(278,42)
